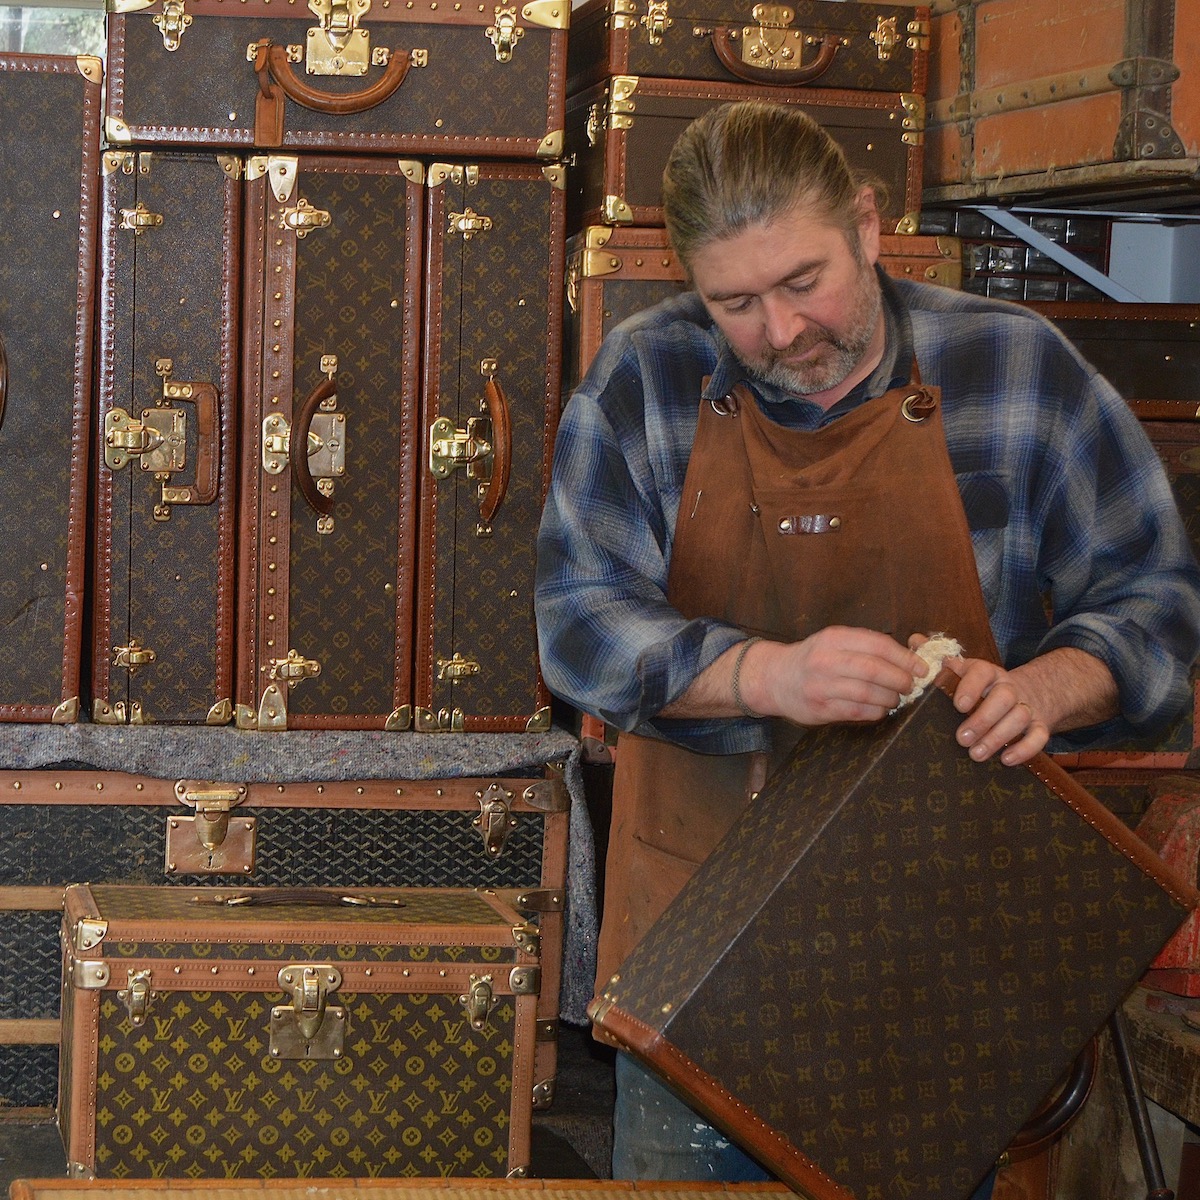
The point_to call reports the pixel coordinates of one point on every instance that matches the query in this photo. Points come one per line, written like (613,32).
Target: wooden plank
(1167,1053)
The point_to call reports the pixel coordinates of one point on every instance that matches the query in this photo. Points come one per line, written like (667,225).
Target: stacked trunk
(321,286)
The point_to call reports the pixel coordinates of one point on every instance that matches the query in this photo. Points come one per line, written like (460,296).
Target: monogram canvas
(683,47)
(884,967)
(203,91)
(48,173)
(202,1076)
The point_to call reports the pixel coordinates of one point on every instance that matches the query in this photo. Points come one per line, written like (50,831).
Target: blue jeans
(657,1136)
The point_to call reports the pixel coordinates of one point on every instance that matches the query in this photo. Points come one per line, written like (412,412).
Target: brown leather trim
(424,651)
(249,579)
(50,787)
(712,1100)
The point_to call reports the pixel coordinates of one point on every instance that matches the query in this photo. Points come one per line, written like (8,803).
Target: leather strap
(725,46)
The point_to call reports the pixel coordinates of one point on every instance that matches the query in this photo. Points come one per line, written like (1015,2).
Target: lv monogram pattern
(683,55)
(484,584)
(207,84)
(344,585)
(39,297)
(194,1091)
(896,952)
(166,291)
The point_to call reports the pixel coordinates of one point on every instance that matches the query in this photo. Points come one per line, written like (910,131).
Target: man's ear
(868,223)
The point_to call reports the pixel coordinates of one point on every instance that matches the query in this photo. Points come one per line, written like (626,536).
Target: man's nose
(783,322)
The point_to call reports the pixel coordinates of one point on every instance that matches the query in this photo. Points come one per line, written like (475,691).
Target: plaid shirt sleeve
(1070,509)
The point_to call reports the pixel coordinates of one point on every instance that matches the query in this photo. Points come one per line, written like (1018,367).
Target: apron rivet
(787,525)
(835,522)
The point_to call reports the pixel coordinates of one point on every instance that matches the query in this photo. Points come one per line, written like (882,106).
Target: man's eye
(800,289)
(737,306)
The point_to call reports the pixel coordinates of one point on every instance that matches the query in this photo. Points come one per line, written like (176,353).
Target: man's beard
(838,356)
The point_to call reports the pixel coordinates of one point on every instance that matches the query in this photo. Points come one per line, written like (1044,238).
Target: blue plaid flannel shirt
(1063,492)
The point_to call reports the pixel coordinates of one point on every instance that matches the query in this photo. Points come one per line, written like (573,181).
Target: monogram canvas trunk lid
(886,964)
(296,1032)
(49,184)
(413,78)
(620,133)
(492,362)
(165,471)
(872,47)
(332,333)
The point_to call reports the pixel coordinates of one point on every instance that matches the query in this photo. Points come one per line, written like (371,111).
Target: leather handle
(723,44)
(3,380)
(272,68)
(315,897)
(498,411)
(208,448)
(1052,1117)
(321,504)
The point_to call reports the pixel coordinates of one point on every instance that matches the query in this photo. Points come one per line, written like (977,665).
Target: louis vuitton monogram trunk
(403,348)
(331,330)
(296,1032)
(162,613)
(620,131)
(49,185)
(872,47)
(507,832)
(492,361)
(414,78)
(884,967)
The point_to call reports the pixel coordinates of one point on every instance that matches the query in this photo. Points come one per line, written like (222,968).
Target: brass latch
(158,440)
(321,430)
(456,667)
(495,818)
(505,33)
(133,656)
(309,1027)
(337,46)
(140,218)
(210,842)
(294,668)
(136,996)
(656,21)
(771,43)
(478,1000)
(451,447)
(171,22)
(302,218)
(468,223)
(886,37)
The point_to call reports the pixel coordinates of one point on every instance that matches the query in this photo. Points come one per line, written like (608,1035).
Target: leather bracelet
(735,682)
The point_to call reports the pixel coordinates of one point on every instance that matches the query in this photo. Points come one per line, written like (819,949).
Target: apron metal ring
(917,406)
(725,406)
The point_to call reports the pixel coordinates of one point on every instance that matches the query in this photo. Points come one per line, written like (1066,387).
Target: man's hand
(839,674)
(1013,713)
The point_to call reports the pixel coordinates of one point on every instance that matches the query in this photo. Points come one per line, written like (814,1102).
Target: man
(768,490)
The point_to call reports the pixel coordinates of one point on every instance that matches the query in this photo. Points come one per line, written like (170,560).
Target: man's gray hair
(741,164)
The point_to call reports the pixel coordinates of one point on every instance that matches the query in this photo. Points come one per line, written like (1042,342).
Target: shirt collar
(894,369)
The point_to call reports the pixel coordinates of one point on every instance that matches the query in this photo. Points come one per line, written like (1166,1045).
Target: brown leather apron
(783,533)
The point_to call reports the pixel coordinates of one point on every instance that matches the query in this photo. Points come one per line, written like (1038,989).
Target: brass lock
(309,1027)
